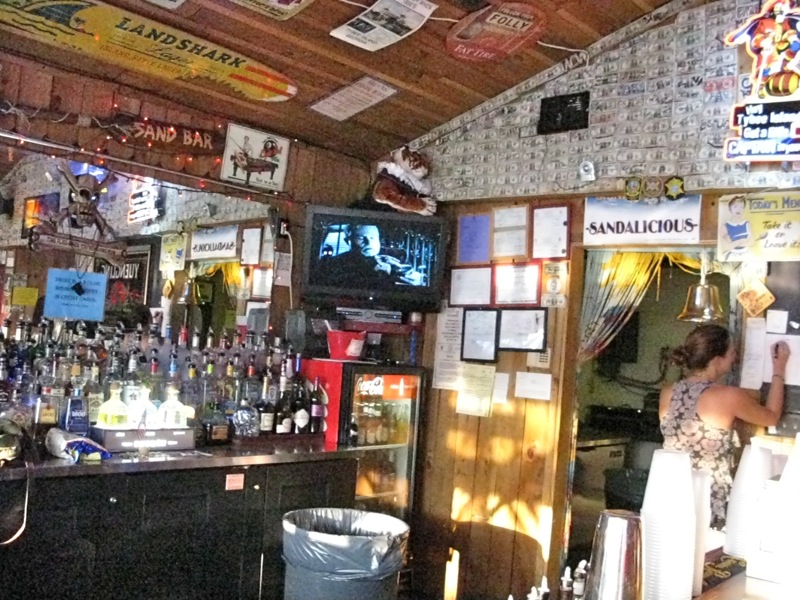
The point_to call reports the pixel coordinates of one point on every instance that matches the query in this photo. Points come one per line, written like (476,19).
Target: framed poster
(550,232)
(471,287)
(38,209)
(510,231)
(474,239)
(479,335)
(517,284)
(128,281)
(523,329)
(255,158)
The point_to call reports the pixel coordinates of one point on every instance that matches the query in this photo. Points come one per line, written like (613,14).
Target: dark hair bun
(679,356)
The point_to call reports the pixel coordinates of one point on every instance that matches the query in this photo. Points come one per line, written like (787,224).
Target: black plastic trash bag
(334,553)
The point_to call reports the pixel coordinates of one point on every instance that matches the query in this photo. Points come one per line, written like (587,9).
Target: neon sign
(767,123)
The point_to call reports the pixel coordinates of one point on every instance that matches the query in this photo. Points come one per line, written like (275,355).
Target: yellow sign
(276,9)
(24,296)
(173,252)
(121,37)
(759,226)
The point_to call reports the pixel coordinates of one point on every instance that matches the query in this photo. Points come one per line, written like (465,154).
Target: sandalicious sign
(614,221)
(215,243)
(123,38)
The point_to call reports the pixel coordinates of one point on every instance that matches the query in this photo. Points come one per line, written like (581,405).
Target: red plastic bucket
(346,345)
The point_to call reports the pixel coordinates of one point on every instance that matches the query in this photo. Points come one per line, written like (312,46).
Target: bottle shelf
(377,447)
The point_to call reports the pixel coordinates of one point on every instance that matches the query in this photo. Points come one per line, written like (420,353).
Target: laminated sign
(118,36)
(497,31)
(215,243)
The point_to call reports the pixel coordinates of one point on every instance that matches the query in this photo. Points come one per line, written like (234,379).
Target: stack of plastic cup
(755,468)
(702,510)
(668,514)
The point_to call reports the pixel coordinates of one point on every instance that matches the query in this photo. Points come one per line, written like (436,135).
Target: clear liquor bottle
(93,393)
(155,380)
(132,382)
(217,427)
(192,398)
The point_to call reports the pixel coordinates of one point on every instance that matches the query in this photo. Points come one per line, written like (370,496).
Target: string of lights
(205,184)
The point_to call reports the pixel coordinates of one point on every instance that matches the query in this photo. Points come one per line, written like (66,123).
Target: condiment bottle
(579,583)
(565,591)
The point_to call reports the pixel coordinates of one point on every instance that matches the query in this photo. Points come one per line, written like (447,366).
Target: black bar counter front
(190,525)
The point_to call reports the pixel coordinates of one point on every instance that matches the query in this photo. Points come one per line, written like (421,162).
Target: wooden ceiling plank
(10,81)
(67,94)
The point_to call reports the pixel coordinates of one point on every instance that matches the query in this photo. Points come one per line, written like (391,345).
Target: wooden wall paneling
(153,110)
(126,101)
(302,168)
(432,530)
(98,99)
(37,89)
(67,94)
(507,452)
(10,81)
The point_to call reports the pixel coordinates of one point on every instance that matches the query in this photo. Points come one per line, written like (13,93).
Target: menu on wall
(759,226)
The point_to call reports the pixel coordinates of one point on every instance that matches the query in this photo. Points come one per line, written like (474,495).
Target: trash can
(342,554)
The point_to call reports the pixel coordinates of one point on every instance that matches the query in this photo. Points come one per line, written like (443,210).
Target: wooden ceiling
(433,87)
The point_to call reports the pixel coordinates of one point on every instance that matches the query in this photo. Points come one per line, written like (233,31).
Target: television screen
(393,261)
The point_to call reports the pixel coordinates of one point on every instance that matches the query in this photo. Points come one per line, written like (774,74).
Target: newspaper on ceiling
(384,23)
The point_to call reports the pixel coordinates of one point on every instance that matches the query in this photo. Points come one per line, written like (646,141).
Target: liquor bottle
(217,427)
(246,420)
(266,408)
(209,346)
(251,385)
(183,345)
(52,392)
(283,414)
(165,351)
(209,388)
(93,393)
(228,390)
(6,387)
(301,413)
(113,413)
(196,353)
(192,398)
(172,413)
(317,403)
(155,380)
(141,411)
(132,382)
(113,373)
(75,418)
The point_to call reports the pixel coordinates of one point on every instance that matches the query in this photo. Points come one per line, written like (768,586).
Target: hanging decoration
(767,123)
(385,23)
(255,158)
(81,213)
(111,34)
(496,32)
(275,9)
(402,183)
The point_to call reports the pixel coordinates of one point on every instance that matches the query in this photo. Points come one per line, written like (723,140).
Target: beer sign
(495,32)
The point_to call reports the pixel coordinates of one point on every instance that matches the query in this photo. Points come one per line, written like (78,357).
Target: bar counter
(293,449)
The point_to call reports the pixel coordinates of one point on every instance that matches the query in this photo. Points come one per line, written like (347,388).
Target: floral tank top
(711,448)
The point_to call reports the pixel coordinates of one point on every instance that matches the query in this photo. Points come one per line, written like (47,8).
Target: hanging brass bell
(703,305)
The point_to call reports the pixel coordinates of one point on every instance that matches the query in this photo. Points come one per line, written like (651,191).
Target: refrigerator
(373,412)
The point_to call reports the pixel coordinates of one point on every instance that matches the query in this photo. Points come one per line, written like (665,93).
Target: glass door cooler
(373,410)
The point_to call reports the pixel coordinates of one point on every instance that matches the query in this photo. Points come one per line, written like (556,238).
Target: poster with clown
(767,123)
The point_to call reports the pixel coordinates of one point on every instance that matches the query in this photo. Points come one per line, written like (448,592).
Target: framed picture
(471,286)
(523,329)
(550,232)
(128,283)
(517,284)
(479,334)
(474,239)
(255,158)
(38,209)
(261,286)
(510,232)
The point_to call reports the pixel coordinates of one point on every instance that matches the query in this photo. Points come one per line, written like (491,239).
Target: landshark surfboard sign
(118,36)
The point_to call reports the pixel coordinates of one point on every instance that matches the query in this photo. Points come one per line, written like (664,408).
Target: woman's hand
(780,356)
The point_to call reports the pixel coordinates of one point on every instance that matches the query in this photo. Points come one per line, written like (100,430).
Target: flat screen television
(373,259)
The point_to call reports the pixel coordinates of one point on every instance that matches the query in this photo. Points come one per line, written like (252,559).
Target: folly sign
(615,221)
(115,35)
